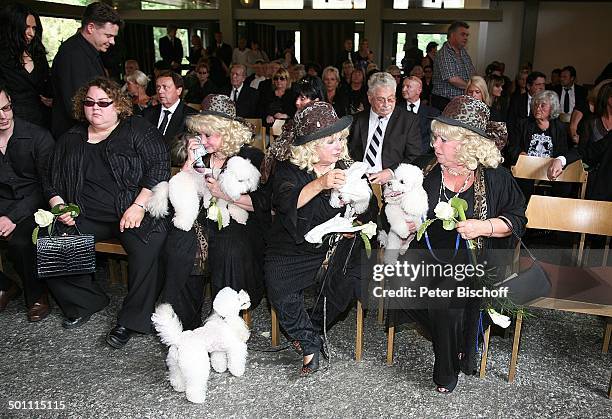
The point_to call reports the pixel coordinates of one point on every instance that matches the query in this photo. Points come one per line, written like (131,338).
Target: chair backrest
(530,167)
(260,133)
(377,189)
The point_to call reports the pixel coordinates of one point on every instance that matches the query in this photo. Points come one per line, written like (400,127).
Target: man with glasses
(78,60)
(245,97)
(25,150)
(384,135)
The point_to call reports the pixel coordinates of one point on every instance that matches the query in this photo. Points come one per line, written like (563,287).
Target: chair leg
(607,334)
(610,388)
(359,334)
(485,351)
(208,290)
(515,346)
(246,316)
(390,337)
(112,270)
(275,329)
(380,316)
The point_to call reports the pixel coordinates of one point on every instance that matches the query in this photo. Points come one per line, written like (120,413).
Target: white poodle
(406,201)
(184,191)
(239,177)
(355,193)
(224,336)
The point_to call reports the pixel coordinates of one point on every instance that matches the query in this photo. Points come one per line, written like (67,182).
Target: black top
(197,92)
(25,89)
(340,102)
(357,100)
(99,188)
(271,104)
(22,170)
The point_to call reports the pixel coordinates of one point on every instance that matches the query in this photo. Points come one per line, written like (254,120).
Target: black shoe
(311,367)
(447,389)
(118,336)
(74,322)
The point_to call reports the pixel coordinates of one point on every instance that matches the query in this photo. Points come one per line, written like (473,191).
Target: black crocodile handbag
(65,255)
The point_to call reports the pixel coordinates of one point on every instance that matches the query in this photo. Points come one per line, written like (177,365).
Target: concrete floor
(561,373)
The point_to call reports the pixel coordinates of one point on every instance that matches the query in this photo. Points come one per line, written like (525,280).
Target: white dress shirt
(172,109)
(416,104)
(232,93)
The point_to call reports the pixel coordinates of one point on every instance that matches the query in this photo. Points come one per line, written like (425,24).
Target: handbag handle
(53,228)
(509,225)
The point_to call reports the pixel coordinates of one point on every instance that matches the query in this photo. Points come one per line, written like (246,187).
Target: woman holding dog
(301,199)
(467,166)
(234,250)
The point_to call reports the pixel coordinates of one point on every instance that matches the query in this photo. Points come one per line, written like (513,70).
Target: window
(281,4)
(296,47)
(70,2)
(167,5)
(429,4)
(422,40)
(339,4)
(55,31)
(181,33)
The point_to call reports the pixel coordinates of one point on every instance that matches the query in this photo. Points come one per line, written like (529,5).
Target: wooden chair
(114,247)
(610,388)
(260,134)
(529,167)
(579,216)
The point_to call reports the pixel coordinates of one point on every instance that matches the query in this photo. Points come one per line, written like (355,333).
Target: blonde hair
(475,150)
(234,133)
(305,156)
(481,84)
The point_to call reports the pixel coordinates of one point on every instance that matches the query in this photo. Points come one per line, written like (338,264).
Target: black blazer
(224,53)
(517,109)
(247,103)
(76,63)
(171,52)
(426,114)
(176,125)
(402,141)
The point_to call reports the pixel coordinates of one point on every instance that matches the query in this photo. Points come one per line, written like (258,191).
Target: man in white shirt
(241,52)
(570,93)
(411,92)
(245,97)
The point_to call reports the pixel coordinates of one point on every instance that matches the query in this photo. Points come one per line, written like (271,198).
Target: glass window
(426,38)
(296,46)
(338,4)
(192,4)
(429,4)
(70,2)
(181,33)
(55,31)
(281,4)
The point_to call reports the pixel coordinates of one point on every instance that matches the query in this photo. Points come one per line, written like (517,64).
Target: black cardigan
(137,156)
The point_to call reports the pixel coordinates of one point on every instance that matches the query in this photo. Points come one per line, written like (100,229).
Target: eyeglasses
(7,108)
(276,78)
(202,72)
(103,104)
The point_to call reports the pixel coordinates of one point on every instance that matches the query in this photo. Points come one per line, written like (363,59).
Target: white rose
(213,212)
(369,229)
(43,218)
(444,211)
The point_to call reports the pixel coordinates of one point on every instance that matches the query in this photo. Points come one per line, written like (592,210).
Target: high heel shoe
(447,389)
(297,347)
(312,366)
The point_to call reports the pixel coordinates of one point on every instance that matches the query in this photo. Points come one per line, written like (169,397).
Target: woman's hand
(6,226)
(215,189)
(555,169)
(411,227)
(333,179)
(280,115)
(47,101)
(191,146)
(269,119)
(132,217)
(471,229)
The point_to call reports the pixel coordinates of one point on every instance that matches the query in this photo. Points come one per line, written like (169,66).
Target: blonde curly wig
(305,156)
(475,150)
(234,133)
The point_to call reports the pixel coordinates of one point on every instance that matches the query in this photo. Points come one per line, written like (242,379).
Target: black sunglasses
(279,78)
(90,103)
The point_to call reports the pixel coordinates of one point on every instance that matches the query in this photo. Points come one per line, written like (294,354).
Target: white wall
(576,33)
(504,38)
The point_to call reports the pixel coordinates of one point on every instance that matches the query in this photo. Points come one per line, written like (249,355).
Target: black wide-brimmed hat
(466,112)
(318,120)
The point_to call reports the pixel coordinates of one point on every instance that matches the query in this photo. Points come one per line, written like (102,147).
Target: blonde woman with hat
(467,166)
(301,200)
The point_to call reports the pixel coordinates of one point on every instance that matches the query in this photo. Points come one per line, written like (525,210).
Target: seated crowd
(70,134)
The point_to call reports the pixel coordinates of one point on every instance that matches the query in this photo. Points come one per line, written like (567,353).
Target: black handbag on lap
(528,285)
(65,255)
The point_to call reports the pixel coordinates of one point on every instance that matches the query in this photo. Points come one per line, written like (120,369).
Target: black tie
(235,95)
(411,107)
(374,147)
(164,122)
(566,101)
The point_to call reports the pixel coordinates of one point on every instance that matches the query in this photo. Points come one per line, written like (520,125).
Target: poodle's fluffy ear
(158,204)
(244,300)
(239,177)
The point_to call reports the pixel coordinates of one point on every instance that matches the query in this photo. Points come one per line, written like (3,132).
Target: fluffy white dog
(406,201)
(184,191)
(239,177)
(223,336)
(355,193)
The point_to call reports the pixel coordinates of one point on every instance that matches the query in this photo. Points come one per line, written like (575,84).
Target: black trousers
(184,291)
(22,253)
(82,295)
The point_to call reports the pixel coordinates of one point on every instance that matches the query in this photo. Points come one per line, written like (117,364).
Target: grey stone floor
(561,373)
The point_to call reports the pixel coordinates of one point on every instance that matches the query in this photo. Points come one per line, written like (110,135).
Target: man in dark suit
(571,95)
(221,50)
(171,48)
(78,61)
(245,97)
(385,135)
(347,54)
(411,93)
(520,105)
(169,115)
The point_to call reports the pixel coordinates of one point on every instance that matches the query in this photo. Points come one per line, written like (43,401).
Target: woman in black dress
(235,250)
(23,64)
(279,102)
(301,201)
(109,165)
(467,166)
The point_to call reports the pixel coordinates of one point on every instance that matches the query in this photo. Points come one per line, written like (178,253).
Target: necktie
(374,147)
(235,95)
(566,101)
(411,107)
(164,122)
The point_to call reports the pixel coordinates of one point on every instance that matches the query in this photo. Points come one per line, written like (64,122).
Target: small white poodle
(406,201)
(355,193)
(239,177)
(223,336)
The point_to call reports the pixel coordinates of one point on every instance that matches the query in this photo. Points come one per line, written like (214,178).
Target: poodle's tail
(167,324)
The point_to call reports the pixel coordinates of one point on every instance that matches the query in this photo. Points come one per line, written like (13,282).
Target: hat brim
(456,123)
(337,126)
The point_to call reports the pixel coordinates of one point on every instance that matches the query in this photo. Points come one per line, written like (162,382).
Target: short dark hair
(3,89)
(171,27)
(310,87)
(533,76)
(99,14)
(571,69)
(456,25)
(176,78)
(122,103)
(430,46)
(556,71)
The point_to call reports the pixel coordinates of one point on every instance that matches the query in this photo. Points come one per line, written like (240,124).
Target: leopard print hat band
(466,112)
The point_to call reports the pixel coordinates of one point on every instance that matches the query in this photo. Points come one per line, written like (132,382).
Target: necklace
(462,189)
(454,172)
